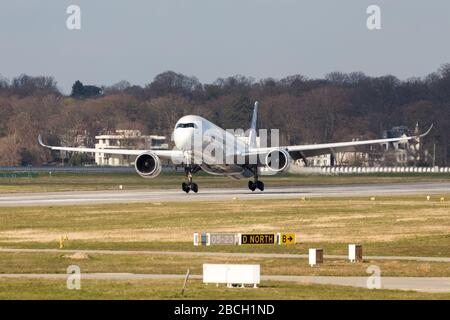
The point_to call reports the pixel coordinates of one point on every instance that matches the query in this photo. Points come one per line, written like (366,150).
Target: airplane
(240,159)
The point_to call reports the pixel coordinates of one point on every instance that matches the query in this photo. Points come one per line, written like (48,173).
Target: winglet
(252,134)
(427,132)
(40,141)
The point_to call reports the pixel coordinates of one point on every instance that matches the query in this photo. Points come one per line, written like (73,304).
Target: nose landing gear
(189,185)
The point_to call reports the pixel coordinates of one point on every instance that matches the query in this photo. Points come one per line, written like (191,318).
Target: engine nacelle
(148,165)
(277,160)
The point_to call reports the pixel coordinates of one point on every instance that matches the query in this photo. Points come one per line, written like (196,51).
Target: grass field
(163,264)
(171,289)
(43,182)
(399,225)
(408,225)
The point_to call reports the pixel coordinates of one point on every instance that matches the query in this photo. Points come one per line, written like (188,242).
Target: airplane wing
(310,150)
(174,155)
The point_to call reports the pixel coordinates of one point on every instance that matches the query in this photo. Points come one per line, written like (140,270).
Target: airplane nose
(182,138)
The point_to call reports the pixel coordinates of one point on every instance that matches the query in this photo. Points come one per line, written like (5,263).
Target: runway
(421,284)
(220,194)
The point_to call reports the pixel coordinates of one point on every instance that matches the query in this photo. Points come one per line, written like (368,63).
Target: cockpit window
(187,125)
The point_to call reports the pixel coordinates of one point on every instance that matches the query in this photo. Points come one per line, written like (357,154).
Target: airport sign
(286,238)
(258,238)
(222,238)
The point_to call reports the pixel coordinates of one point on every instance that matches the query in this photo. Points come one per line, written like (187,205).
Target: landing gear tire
(256,185)
(260,185)
(186,187)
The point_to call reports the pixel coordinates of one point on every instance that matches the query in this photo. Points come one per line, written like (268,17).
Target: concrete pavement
(421,284)
(217,194)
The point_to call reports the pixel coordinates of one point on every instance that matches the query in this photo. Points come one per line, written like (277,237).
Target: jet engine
(148,165)
(277,160)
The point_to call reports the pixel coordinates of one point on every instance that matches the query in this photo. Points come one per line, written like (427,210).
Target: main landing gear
(189,185)
(256,184)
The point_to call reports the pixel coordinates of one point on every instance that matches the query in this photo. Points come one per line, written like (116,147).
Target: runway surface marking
(216,194)
(421,284)
(218,254)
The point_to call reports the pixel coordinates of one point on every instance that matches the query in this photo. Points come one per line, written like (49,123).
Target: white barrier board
(231,273)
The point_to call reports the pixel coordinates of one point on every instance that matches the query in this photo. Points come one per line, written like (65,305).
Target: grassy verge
(169,264)
(407,225)
(170,289)
(432,246)
(44,182)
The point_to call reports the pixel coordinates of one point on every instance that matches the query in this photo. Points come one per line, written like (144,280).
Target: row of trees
(338,107)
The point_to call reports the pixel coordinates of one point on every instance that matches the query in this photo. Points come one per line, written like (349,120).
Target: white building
(341,159)
(323,160)
(404,152)
(399,153)
(126,139)
(246,140)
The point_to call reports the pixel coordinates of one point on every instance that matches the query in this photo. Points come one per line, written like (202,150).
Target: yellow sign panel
(287,238)
(265,238)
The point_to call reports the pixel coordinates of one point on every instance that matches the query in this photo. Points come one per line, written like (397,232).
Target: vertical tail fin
(252,133)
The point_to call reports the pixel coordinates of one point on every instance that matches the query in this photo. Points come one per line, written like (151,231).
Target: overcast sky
(135,40)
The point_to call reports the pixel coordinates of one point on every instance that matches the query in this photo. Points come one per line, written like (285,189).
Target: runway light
(428,198)
(235,198)
(120,187)
(442,199)
(372,199)
(303,198)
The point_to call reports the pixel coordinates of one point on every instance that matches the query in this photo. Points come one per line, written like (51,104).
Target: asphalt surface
(220,254)
(421,284)
(214,194)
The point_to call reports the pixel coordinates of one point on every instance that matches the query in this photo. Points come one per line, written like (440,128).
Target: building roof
(123,137)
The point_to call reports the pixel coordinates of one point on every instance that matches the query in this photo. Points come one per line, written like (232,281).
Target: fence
(76,169)
(20,171)
(353,170)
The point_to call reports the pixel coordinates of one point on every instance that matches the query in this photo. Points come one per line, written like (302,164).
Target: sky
(135,40)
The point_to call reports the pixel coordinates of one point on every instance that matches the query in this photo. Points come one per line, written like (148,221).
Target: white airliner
(238,158)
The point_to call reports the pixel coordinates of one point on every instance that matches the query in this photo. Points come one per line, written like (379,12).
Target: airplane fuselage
(211,147)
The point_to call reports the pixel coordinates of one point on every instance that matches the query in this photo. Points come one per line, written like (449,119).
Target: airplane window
(187,125)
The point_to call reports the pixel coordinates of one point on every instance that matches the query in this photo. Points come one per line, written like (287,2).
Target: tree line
(338,107)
